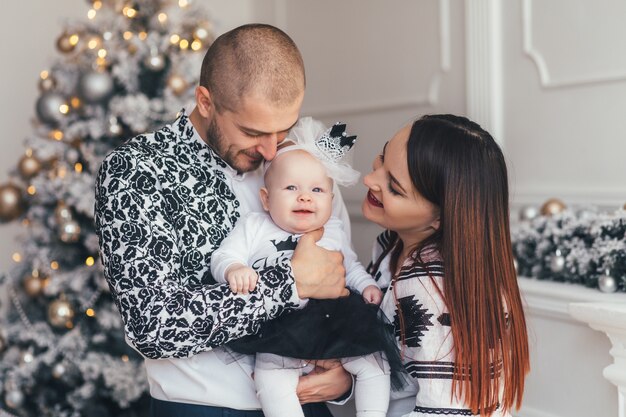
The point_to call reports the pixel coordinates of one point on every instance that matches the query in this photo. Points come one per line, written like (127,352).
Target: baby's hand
(372,294)
(241,279)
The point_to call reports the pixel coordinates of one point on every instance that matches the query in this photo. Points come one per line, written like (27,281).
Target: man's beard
(218,142)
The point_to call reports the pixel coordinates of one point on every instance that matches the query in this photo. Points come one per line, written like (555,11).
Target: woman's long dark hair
(457,165)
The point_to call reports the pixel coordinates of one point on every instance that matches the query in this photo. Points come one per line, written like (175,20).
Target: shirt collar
(188,132)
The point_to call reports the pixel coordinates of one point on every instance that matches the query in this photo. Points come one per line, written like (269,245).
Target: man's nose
(267,147)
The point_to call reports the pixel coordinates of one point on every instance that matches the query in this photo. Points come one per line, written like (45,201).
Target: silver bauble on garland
(528,213)
(96,86)
(114,128)
(607,283)
(62,213)
(48,107)
(60,313)
(557,262)
(11,202)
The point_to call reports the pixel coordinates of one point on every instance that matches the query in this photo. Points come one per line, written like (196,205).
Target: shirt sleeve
(356,276)
(163,317)
(234,249)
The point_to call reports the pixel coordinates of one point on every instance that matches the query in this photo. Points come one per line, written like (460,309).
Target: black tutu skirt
(328,329)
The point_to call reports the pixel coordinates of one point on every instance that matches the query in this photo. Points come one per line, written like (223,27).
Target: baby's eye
(318,190)
(290,188)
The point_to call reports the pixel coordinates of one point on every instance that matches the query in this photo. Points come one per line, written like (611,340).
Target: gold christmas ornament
(60,313)
(62,213)
(66,43)
(69,231)
(177,84)
(11,202)
(58,370)
(33,285)
(29,166)
(552,206)
(47,84)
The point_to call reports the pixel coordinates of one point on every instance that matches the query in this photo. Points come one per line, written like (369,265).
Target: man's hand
(326,382)
(319,273)
(241,278)
(372,294)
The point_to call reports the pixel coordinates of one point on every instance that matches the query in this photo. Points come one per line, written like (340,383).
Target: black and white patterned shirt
(428,353)
(164,203)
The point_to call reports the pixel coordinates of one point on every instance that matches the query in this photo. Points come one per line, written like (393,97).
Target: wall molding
(605,197)
(546,79)
(552,299)
(483,25)
(428,98)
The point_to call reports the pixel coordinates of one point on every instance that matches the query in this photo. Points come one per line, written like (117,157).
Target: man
(166,200)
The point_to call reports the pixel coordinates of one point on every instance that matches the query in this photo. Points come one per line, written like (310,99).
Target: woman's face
(392,202)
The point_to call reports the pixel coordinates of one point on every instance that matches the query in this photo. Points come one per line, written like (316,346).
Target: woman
(440,189)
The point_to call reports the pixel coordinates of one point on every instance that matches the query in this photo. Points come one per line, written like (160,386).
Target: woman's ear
(204,102)
(265,198)
(436,223)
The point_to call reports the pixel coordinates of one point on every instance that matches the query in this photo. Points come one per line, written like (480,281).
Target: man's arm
(162,317)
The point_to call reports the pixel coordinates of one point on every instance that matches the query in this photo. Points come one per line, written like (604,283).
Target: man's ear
(265,198)
(204,102)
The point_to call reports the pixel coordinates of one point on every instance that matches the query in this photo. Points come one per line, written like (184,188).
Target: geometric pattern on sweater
(416,321)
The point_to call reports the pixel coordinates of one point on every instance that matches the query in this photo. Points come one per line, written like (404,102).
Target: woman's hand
(327,382)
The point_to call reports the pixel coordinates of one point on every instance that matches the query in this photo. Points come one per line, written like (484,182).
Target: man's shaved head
(254,59)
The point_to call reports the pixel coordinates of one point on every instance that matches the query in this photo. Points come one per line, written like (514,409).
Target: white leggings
(276,385)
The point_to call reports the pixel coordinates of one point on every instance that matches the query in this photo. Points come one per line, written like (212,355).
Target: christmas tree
(128,68)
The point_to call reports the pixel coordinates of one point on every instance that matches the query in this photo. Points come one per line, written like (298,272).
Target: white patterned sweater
(428,354)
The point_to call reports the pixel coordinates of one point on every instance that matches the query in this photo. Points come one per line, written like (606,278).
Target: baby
(297,197)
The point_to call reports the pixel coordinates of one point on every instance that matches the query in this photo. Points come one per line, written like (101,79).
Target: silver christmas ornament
(27,357)
(14,398)
(48,107)
(69,231)
(154,62)
(606,283)
(96,86)
(58,370)
(60,313)
(557,262)
(528,213)
(114,129)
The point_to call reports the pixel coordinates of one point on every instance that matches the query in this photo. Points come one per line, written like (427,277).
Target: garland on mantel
(584,247)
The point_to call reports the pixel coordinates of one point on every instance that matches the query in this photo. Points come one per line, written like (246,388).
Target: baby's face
(298,194)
